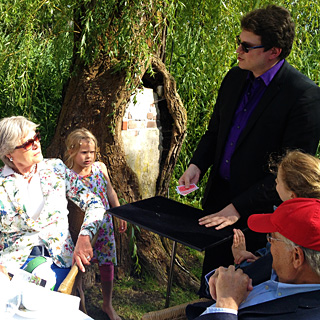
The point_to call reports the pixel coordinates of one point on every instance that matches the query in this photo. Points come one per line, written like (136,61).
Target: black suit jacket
(287,117)
(303,306)
(299,306)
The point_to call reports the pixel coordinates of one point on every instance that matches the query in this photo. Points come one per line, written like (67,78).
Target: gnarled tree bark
(96,98)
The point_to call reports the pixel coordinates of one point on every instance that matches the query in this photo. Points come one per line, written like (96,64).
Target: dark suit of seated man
(294,289)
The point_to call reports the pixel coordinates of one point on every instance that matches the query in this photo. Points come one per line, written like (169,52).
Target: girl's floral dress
(105,247)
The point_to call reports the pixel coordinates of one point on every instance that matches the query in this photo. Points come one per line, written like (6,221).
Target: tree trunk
(96,98)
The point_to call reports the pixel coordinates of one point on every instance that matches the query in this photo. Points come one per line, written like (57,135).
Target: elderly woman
(33,203)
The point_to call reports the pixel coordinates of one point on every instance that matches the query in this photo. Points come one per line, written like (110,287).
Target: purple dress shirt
(252,94)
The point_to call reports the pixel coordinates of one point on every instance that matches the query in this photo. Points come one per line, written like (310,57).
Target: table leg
(170,276)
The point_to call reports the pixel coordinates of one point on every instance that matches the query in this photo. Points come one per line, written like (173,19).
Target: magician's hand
(191,175)
(226,217)
(229,287)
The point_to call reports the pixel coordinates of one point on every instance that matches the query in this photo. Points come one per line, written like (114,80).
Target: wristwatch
(85,232)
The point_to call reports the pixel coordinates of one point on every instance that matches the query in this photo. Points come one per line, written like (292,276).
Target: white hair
(12,131)
(312,256)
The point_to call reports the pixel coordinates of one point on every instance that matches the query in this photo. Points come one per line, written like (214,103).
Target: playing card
(184,191)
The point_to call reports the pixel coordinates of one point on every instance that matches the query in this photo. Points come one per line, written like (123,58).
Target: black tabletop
(173,220)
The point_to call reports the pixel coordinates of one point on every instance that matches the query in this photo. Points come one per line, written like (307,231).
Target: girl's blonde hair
(301,174)
(73,143)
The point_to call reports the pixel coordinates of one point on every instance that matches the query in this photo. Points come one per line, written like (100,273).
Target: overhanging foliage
(37,48)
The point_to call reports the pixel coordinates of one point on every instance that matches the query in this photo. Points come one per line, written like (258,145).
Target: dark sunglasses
(30,143)
(245,47)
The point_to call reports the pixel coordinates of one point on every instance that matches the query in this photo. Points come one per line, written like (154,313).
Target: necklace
(31,173)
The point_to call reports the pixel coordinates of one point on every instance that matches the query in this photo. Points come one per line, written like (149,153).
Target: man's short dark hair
(274,25)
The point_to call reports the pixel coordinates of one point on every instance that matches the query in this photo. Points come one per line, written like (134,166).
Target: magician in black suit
(264,107)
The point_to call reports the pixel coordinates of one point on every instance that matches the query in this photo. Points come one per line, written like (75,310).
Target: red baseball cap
(297,220)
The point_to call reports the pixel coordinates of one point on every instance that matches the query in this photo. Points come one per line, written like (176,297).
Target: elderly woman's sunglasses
(30,143)
(246,47)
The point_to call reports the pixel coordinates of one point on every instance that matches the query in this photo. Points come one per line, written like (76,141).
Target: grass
(133,297)
(195,268)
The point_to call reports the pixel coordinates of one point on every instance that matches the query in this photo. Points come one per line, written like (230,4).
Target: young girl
(80,156)
(298,176)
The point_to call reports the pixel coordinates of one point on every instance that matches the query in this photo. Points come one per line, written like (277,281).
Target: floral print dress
(105,247)
(19,233)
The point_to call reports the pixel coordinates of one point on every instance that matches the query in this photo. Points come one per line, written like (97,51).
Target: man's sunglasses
(271,239)
(30,143)
(245,47)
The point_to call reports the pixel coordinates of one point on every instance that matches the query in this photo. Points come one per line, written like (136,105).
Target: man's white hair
(312,256)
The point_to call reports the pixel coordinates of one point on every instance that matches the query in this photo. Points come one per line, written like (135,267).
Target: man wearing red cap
(293,292)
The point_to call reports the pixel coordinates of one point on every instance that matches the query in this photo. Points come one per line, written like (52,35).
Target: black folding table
(174,220)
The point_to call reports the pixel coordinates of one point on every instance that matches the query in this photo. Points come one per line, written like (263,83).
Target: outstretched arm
(191,175)
(82,252)
(226,217)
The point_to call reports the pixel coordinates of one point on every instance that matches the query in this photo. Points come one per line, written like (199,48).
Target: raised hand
(239,248)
